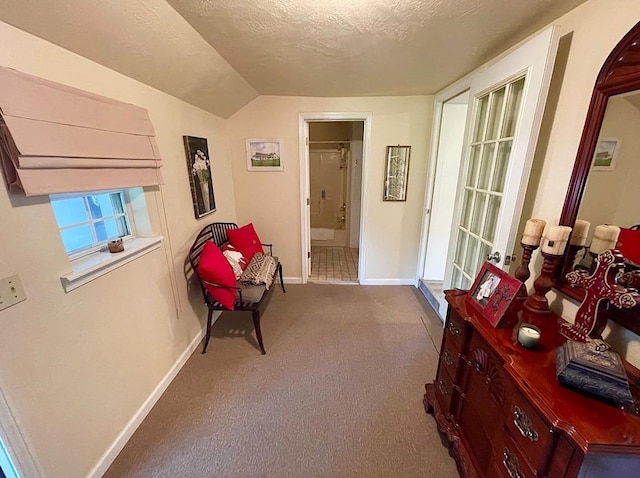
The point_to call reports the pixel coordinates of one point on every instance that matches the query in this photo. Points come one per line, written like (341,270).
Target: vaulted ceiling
(220,54)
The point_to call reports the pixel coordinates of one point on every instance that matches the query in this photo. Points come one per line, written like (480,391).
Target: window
(88,220)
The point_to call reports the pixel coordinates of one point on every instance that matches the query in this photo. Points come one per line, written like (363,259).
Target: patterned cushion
(260,270)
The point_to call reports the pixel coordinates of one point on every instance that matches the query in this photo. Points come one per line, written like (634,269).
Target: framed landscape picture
(264,154)
(199,167)
(492,293)
(604,157)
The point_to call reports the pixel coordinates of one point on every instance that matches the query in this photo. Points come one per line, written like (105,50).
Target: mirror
(608,158)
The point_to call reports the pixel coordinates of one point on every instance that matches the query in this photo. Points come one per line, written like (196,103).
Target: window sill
(91,267)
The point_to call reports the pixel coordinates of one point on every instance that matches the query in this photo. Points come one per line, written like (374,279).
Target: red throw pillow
(245,240)
(214,267)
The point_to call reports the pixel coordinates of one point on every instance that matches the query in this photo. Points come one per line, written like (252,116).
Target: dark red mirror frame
(619,74)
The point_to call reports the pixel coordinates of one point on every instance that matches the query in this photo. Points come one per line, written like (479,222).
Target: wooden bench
(250,298)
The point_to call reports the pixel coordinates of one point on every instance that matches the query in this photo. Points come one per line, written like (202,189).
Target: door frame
(451,91)
(305,224)
(15,444)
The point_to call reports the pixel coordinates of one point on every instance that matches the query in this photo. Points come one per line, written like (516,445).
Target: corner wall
(271,200)
(75,368)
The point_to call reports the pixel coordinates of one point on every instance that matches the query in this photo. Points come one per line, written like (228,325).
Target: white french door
(508,100)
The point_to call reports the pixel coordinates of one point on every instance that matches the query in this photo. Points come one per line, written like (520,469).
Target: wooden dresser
(505,414)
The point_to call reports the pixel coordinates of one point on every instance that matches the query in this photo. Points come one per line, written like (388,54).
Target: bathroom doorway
(335,160)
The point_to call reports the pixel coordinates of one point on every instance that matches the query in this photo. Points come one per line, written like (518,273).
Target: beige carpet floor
(338,394)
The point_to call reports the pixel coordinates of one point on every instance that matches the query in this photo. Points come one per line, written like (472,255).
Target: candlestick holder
(537,303)
(572,252)
(522,273)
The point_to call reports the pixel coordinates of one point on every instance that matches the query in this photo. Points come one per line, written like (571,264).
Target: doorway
(335,175)
(448,159)
(333,149)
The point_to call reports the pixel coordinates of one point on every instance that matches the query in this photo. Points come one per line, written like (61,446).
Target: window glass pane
(495,113)
(69,211)
(457,276)
(485,250)
(470,256)
(502,162)
(481,118)
(462,236)
(492,218)
(513,108)
(77,238)
(478,213)
(111,228)
(486,165)
(465,283)
(466,209)
(474,164)
(104,205)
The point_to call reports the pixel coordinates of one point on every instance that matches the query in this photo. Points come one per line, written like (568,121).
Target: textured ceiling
(220,54)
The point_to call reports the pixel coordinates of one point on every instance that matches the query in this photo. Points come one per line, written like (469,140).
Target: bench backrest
(216,232)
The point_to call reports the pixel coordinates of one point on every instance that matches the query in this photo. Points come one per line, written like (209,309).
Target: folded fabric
(234,258)
(260,270)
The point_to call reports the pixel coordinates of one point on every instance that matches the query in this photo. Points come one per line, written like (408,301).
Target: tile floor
(334,264)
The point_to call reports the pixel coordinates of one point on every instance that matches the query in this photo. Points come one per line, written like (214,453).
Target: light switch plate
(11,291)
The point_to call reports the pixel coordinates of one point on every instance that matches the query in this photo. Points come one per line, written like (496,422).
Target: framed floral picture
(492,293)
(199,166)
(264,154)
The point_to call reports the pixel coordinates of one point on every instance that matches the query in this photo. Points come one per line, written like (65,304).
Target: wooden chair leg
(208,336)
(256,325)
(281,281)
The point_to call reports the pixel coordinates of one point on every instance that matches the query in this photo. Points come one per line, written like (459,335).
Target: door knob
(494,257)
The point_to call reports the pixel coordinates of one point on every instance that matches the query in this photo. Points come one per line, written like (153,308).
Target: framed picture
(264,154)
(493,292)
(396,173)
(199,166)
(604,157)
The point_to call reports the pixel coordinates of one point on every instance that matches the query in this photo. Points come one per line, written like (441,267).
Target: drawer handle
(442,388)
(510,462)
(453,329)
(446,356)
(523,423)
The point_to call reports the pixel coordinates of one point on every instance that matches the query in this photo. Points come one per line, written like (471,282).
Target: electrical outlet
(11,292)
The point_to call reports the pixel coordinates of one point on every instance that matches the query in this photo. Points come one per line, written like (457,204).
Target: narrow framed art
(492,293)
(199,166)
(264,154)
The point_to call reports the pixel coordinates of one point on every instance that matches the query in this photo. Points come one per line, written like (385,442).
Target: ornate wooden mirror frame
(620,73)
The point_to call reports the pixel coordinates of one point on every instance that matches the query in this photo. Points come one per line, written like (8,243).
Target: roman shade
(55,139)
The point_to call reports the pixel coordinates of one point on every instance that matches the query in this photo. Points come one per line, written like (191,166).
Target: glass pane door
(494,124)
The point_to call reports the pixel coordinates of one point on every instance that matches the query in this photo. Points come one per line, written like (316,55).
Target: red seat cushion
(245,240)
(214,267)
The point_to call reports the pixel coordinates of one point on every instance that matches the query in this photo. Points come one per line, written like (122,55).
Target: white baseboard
(292,280)
(413,282)
(121,440)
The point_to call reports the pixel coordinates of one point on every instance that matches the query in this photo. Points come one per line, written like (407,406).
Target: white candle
(604,237)
(533,232)
(528,335)
(556,240)
(580,233)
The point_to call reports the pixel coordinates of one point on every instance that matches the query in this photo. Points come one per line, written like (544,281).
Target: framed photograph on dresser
(492,293)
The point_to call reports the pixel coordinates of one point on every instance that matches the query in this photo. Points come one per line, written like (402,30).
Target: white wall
(271,200)
(76,367)
(593,29)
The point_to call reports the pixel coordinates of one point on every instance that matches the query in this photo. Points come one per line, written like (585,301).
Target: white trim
(303,120)
(15,443)
(413,282)
(451,91)
(91,267)
(123,437)
(292,280)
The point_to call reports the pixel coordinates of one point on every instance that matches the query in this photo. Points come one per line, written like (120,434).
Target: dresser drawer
(529,430)
(455,329)
(444,391)
(450,358)
(508,461)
